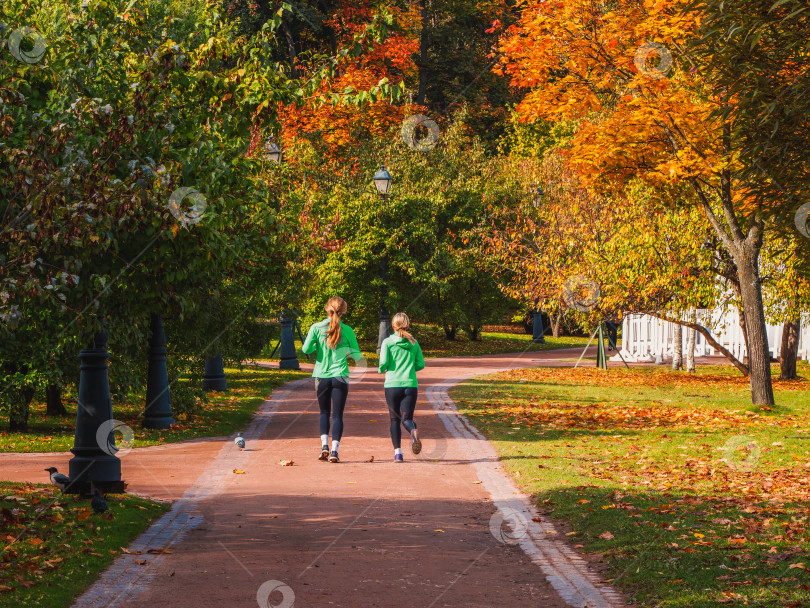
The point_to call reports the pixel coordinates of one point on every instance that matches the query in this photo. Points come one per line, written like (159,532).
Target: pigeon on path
(58,479)
(239,441)
(97,502)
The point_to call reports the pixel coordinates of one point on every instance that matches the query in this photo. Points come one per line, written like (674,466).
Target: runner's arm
(383,367)
(420,360)
(354,347)
(311,342)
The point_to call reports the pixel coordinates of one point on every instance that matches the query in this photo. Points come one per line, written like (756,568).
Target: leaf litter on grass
(659,496)
(53,545)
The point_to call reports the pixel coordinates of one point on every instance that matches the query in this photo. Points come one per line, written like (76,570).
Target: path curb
(126,579)
(566,571)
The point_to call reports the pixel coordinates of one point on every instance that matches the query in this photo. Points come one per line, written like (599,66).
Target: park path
(366,532)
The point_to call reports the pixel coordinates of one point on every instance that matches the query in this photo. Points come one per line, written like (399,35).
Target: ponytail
(335,308)
(401,323)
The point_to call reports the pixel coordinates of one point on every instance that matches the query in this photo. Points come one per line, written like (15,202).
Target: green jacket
(331,363)
(400,360)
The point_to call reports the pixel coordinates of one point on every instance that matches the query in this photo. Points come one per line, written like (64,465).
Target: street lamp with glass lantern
(272,151)
(382,182)
(288,358)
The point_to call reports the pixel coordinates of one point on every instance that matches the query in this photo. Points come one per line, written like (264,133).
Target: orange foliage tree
(646,111)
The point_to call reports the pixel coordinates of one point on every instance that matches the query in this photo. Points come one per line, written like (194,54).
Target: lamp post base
(288,358)
(158,410)
(94,459)
(537,328)
(214,374)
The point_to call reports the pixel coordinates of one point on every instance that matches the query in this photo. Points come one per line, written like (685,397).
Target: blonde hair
(335,308)
(401,323)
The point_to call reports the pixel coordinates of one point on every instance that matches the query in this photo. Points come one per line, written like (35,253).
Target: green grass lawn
(54,546)
(692,496)
(494,340)
(222,415)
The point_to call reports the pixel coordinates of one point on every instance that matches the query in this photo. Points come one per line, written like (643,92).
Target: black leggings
(401,404)
(332,394)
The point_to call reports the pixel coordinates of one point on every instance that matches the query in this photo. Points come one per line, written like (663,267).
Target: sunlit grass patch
(691,495)
(54,546)
(222,414)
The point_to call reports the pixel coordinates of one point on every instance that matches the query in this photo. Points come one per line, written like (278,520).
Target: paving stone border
(126,578)
(566,571)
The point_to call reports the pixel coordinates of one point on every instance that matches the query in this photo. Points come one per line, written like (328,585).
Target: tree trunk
(735,288)
(556,323)
(691,334)
(330,30)
(677,347)
(450,332)
(744,247)
(20,410)
(53,397)
(789,349)
(423,56)
(285,26)
(759,354)
(474,332)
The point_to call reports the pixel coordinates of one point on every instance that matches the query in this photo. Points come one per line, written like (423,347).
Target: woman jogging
(332,342)
(400,359)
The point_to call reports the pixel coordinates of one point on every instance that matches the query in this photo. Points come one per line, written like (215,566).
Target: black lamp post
(94,463)
(214,374)
(158,411)
(382,181)
(537,324)
(288,358)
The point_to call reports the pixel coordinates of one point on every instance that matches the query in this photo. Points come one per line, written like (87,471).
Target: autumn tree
(103,136)
(561,240)
(649,110)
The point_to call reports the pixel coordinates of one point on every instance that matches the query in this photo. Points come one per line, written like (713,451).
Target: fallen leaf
(440,530)
(239,471)
(128,552)
(159,551)
(797,565)
(607,536)
(477,482)
(286,463)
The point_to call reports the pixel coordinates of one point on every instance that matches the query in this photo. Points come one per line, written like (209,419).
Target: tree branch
(709,338)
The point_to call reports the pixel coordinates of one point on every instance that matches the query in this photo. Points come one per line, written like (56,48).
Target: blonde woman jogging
(400,359)
(333,343)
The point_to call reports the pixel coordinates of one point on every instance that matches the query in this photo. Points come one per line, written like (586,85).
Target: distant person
(400,359)
(333,342)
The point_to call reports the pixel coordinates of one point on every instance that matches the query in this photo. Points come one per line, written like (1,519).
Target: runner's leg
(393,397)
(408,405)
(340,392)
(323,389)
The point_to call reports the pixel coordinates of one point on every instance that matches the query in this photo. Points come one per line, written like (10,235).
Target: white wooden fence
(646,338)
